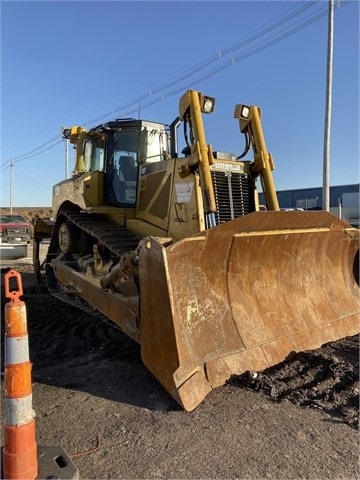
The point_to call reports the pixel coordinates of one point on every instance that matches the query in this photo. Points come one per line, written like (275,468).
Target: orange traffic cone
(21,459)
(20,450)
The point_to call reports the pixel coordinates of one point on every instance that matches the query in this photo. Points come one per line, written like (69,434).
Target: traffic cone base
(20,452)
(55,463)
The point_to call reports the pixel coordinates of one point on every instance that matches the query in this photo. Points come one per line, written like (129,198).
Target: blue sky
(69,63)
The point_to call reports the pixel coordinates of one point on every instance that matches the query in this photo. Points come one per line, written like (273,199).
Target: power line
(318,14)
(220,54)
(232,61)
(20,157)
(32,181)
(36,151)
(183,80)
(177,79)
(192,71)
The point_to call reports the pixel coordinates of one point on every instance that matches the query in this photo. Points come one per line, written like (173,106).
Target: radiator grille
(16,231)
(234,195)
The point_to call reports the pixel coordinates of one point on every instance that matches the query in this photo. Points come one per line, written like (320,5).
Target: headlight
(245,111)
(242,111)
(66,132)
(207,104)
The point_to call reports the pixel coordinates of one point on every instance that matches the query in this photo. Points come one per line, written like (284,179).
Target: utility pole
(327,127)
(11,181)
(66,158)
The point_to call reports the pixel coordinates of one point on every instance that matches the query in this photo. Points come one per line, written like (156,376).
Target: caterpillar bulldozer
(177,251)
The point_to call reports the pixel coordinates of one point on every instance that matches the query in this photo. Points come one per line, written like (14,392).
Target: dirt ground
(94,398)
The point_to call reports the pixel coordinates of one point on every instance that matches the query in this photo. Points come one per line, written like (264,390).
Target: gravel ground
(94,398)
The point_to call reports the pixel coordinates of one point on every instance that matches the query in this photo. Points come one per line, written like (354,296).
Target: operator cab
(118,149)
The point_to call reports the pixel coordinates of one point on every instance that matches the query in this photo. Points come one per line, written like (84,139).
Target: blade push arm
(192,105)
(250,125)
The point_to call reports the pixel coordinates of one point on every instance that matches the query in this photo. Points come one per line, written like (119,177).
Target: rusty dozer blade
(244,295)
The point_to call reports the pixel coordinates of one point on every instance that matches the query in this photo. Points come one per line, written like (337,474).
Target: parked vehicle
(14,229)
(14,236)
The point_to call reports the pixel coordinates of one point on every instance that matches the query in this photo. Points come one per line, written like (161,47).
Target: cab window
(156,145)
(94,154)
(123,167)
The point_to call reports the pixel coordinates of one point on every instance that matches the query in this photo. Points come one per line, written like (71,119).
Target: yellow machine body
(187,263)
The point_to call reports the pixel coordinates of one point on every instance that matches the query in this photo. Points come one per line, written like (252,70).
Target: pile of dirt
(325,379)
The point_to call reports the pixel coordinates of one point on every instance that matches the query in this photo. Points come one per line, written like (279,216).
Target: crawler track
(115,238)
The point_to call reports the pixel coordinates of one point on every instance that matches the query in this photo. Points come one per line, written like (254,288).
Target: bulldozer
(176,250)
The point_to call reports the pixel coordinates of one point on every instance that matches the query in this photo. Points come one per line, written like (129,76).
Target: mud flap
(244,295)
